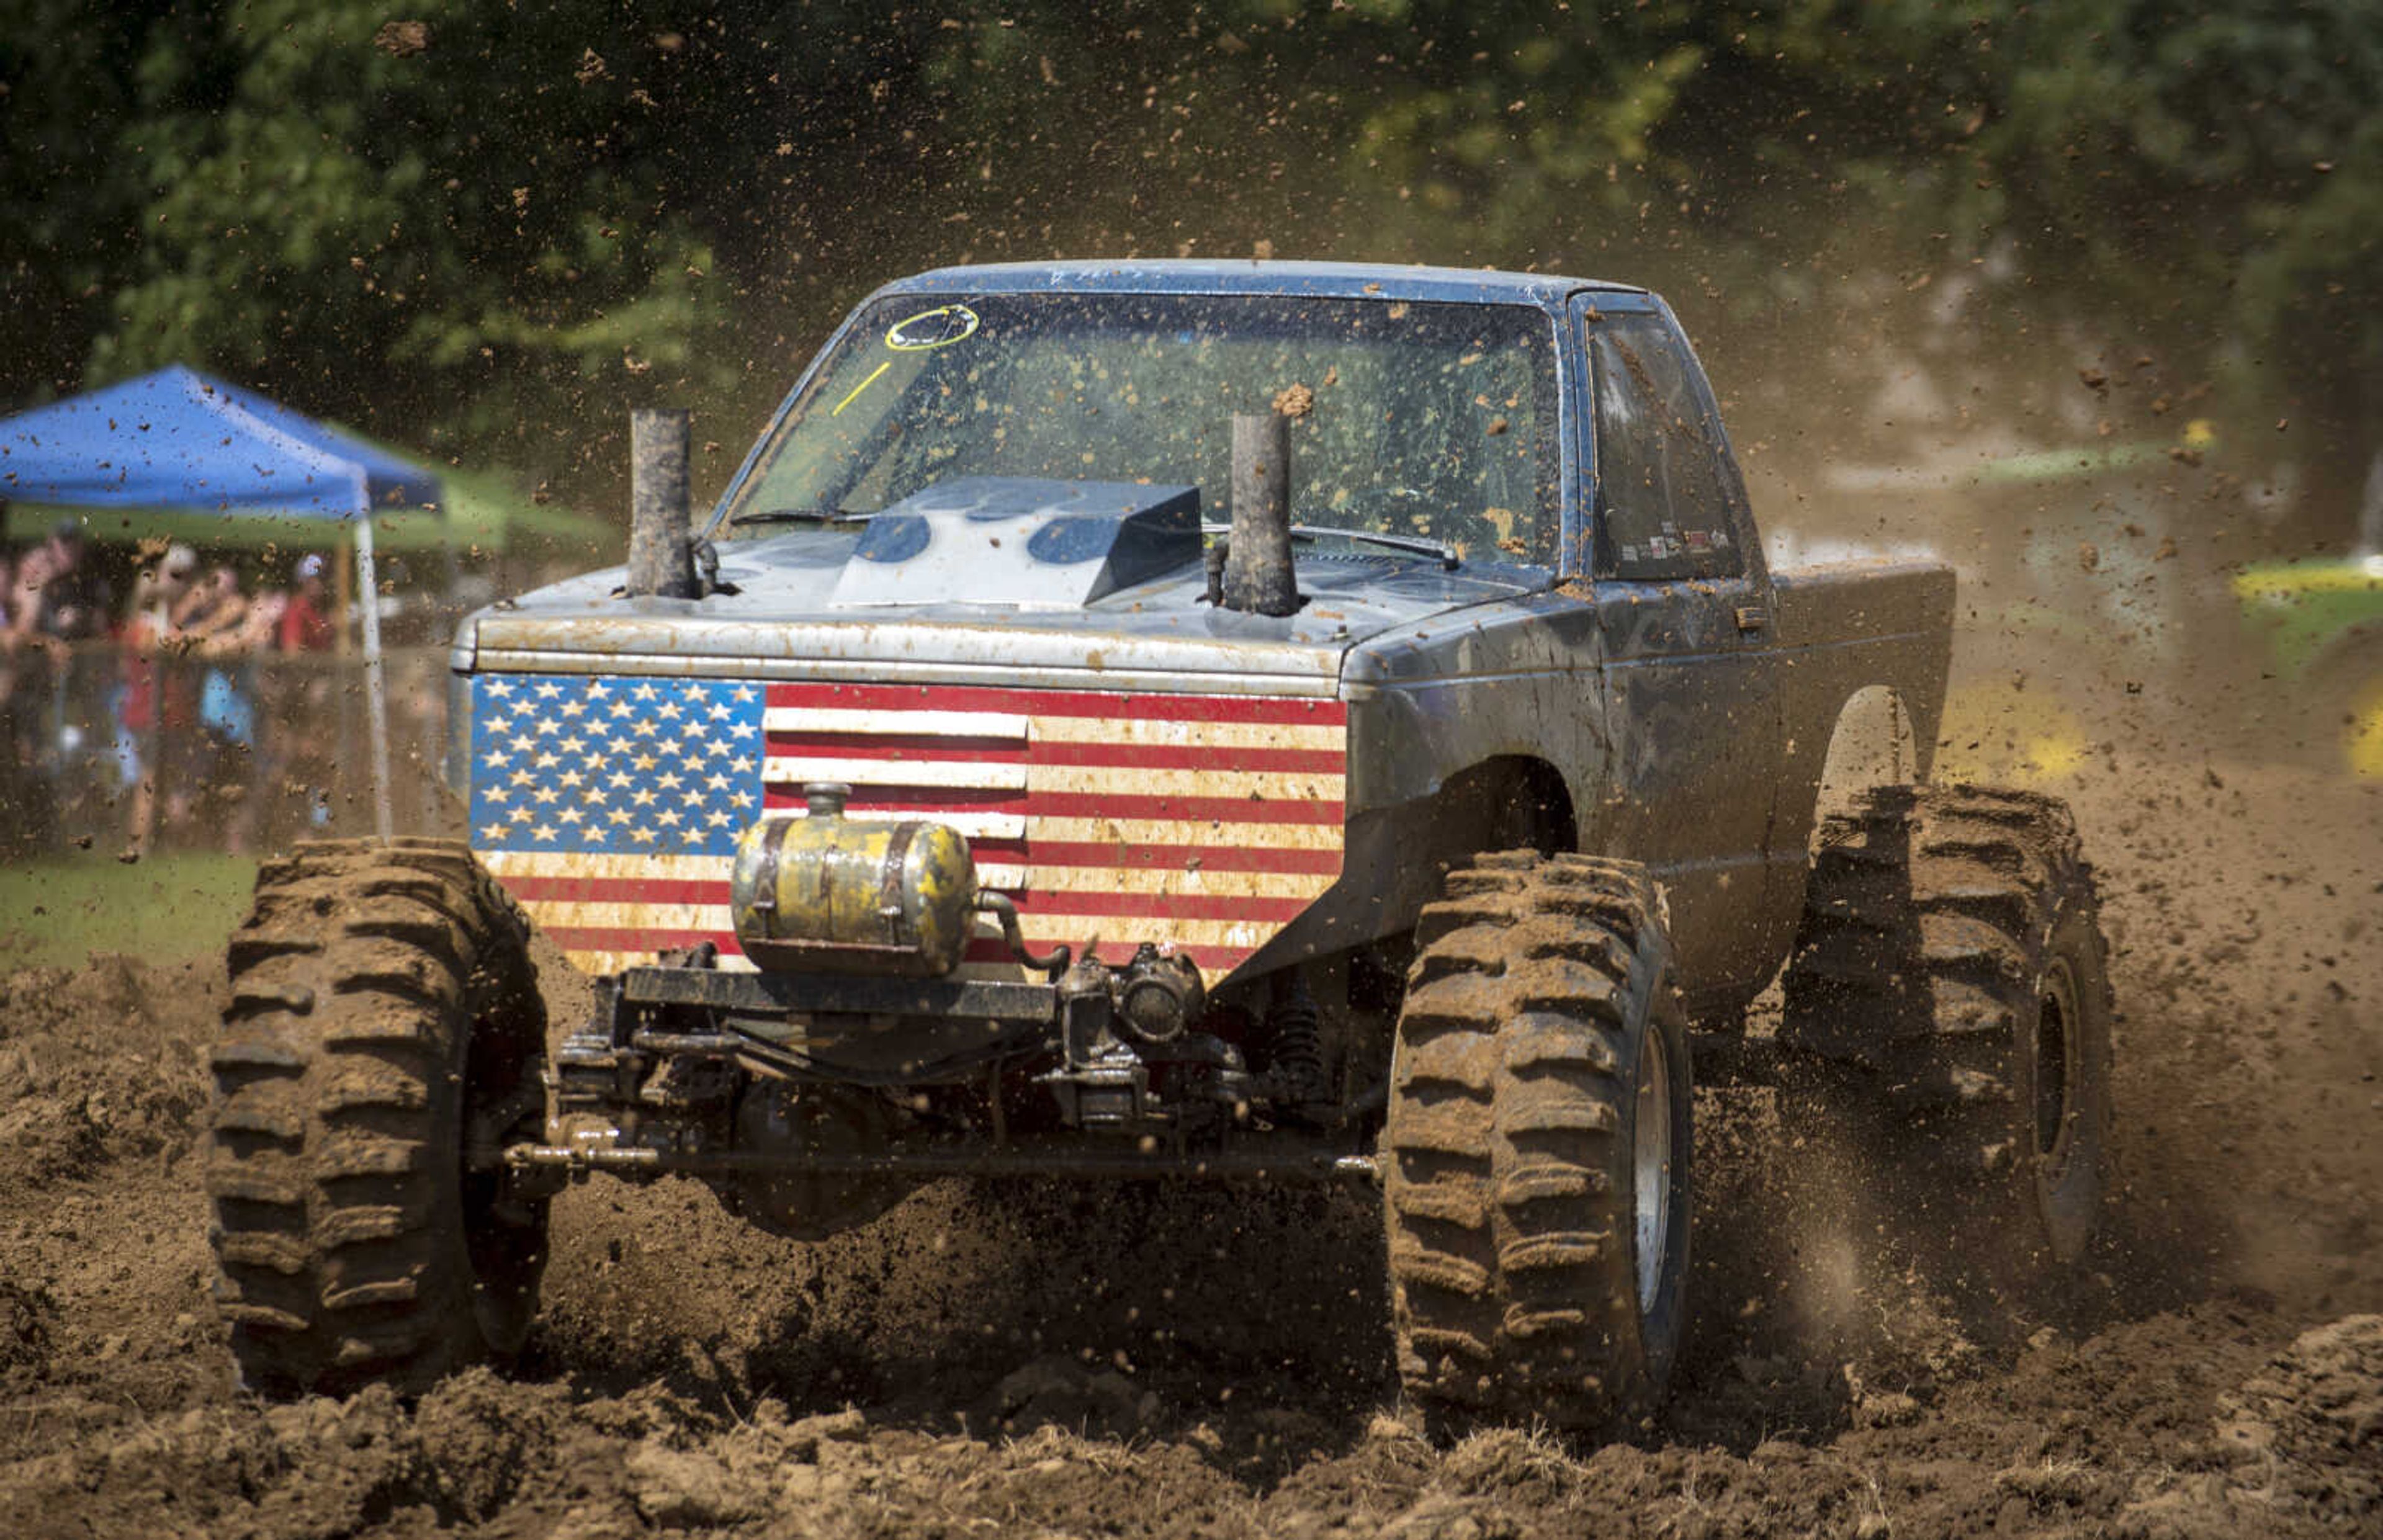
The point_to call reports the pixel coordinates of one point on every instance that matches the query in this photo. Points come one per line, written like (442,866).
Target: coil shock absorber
(1295,1036)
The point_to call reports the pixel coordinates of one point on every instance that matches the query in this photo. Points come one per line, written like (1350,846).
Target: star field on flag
(633,766)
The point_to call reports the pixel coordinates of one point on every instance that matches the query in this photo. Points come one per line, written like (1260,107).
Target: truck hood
(791,615)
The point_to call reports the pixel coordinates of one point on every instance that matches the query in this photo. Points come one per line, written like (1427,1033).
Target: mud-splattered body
(978,801)
(1132,763)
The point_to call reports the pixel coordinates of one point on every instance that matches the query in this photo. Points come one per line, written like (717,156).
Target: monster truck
(966,804)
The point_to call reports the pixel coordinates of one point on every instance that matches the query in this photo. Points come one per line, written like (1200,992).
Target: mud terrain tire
(382,1002)
(1536,1044)
(1947,1017)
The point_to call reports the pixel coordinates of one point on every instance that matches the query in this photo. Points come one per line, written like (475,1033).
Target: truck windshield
(1418,419)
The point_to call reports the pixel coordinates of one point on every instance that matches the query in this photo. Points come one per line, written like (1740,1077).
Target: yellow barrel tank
(826,893)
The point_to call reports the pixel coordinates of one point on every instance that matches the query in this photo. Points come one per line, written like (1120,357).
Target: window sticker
(930,329)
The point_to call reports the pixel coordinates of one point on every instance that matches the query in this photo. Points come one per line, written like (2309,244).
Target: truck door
(1683,606)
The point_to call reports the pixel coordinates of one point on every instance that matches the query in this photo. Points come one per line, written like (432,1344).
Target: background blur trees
(488,228)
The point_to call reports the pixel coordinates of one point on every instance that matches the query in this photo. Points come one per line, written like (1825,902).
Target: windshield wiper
(1416,543)
(1412,544)
(800,516)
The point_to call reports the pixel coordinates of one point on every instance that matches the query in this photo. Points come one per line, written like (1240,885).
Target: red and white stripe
(1204,822)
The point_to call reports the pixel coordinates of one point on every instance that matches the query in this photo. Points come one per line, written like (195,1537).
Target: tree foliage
(491,227)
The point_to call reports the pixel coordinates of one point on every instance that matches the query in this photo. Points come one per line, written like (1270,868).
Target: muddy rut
(1027,1359)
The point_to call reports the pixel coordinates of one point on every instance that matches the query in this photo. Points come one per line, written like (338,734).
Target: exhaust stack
(1258,576)
(661,546)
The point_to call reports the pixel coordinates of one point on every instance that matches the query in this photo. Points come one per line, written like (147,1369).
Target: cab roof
(1337,279)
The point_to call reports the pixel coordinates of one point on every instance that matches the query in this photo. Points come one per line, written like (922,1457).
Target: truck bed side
(1843,629)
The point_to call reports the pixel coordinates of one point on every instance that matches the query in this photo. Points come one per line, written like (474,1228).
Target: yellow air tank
(824,893)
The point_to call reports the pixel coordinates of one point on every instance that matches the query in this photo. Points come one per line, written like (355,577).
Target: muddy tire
(1536,1148)
(1948,1020)
(383,1002)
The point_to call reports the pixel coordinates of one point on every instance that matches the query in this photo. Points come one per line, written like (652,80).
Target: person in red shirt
(143,720)
(302,719)
(304,627)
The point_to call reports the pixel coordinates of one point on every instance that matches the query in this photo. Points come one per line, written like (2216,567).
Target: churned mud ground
(1035,1361)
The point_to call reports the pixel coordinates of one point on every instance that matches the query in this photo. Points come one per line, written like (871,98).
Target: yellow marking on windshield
(953,323)
(862,386)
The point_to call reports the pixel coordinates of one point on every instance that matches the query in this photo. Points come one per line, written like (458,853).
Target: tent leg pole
(375,679)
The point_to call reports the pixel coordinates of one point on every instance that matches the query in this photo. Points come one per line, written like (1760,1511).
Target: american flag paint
(1207,821)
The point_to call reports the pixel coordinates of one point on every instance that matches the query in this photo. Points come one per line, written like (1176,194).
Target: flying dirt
(1349,1189)
(989,1359)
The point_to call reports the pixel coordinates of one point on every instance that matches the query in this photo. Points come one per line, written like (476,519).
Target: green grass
(55,911)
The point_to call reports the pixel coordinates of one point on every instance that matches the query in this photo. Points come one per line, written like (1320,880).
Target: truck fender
(1395,857)
(1870,745)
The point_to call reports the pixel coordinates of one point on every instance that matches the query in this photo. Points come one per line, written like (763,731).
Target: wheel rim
(1651,1167)
(2056,1067)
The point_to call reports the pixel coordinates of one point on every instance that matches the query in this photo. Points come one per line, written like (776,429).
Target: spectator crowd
(164,707)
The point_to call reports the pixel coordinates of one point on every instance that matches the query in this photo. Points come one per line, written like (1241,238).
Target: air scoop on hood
(1022,541)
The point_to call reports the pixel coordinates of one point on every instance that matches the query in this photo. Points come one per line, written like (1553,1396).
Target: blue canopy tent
(178,439)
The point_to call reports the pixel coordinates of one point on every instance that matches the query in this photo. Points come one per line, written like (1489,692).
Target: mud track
(1014,1360)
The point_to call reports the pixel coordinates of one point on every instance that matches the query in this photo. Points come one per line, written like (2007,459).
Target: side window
(1662,490)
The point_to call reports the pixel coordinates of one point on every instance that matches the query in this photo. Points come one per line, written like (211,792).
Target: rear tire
(382,1004)
(1536,1148)
(1947,1017)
